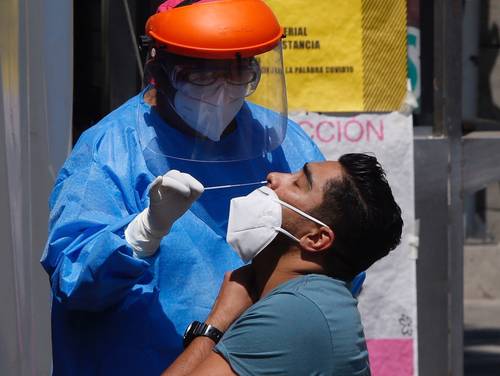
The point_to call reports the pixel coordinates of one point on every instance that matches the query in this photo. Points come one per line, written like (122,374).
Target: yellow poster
(344,56)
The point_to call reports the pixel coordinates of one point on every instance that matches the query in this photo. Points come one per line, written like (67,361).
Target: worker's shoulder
(299,141)
(269,116)
(113,129)
(121,118)
(296,130)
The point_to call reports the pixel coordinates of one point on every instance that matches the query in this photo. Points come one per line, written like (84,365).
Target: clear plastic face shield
(218,110)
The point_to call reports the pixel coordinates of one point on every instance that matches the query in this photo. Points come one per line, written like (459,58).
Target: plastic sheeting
(35,128)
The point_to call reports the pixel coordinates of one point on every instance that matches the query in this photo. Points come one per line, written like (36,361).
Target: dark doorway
(106,72)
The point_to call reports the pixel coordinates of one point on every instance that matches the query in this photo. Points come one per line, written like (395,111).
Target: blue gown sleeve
(90,264)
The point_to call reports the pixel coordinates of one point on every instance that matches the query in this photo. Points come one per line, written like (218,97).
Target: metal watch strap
(197,329)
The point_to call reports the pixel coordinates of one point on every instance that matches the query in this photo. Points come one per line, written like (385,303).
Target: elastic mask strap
(296,210)
(300,212)
(285,232)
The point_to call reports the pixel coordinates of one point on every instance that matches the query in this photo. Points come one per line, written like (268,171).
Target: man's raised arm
(234,298)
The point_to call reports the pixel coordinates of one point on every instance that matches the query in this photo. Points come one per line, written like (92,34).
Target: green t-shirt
(309,325)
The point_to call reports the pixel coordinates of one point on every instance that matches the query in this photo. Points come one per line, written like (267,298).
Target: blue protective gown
(113,314)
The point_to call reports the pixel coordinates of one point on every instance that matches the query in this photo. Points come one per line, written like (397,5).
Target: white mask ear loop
(296,210)
(285,232)
(301,212)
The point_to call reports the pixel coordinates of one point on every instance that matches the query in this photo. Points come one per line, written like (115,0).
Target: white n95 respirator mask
(255,220)
(209,109)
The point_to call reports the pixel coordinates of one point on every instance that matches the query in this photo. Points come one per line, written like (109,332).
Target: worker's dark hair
(362,212)
(185,3)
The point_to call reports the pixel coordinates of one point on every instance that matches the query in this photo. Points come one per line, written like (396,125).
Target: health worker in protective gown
(136,248)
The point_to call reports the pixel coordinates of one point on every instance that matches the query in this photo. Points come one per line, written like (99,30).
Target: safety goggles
(245,72)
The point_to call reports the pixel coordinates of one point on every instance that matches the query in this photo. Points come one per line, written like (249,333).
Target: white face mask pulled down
(209,109)
(255,220)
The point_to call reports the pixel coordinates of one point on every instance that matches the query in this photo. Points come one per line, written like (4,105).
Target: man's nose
(275,179)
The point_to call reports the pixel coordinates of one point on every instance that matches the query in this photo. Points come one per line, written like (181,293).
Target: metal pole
(135,45)
(448,121)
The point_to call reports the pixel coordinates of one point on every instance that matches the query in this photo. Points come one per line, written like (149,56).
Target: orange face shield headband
(216,29)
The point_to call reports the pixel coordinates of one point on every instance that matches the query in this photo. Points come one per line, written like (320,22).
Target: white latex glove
(170,196)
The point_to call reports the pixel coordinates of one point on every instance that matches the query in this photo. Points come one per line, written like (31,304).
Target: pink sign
(391,357)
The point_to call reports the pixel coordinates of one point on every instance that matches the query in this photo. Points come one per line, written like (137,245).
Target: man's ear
(318,239)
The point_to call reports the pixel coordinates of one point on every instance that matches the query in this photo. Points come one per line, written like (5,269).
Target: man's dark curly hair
(360,208)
